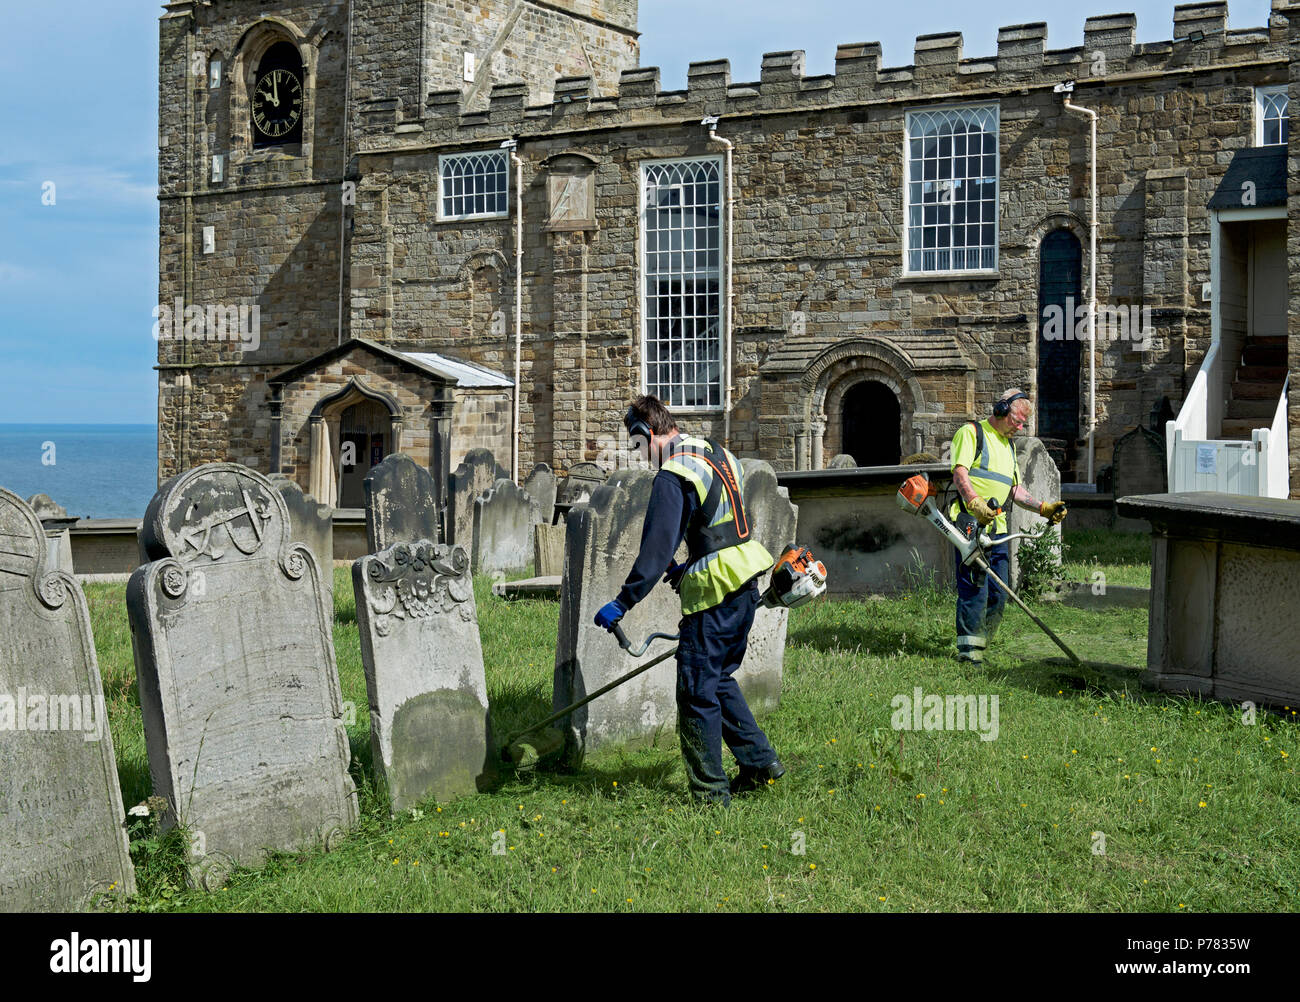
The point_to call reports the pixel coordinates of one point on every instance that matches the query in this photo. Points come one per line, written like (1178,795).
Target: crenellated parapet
(939,71)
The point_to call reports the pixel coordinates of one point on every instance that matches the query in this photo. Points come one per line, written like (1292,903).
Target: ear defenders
(636,426)
(1003,407)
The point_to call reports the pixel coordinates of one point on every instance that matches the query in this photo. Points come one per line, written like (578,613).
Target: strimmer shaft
(983,565)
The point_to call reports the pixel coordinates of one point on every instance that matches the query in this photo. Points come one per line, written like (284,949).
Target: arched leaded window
(952,190)
(682,241)
(474,185)
(1271,116)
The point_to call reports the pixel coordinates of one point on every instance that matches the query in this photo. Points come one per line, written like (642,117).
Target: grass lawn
(1197,811)
(1123,557)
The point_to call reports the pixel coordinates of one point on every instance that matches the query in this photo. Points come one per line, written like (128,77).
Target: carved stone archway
(326,444)
(837,370)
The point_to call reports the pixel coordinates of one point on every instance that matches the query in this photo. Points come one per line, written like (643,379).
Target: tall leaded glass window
(1271,114)
(682,240)
(474,185)
(952,190)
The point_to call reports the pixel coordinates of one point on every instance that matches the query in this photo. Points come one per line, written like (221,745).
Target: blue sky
(78,279)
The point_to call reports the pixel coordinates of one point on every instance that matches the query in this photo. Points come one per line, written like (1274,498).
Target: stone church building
(485,224)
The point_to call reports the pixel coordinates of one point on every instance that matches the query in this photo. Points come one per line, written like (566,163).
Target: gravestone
(504,517)
(311,524)
(57,525)
(548,550)
(603,537)
(842,462)
(476,474)
(401,503)
(1139,467)
(429,727)
(238,686)
(582,480)
(1040,476)
(61,835)
(542,487)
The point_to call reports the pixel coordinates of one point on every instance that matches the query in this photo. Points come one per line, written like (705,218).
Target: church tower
(259,128)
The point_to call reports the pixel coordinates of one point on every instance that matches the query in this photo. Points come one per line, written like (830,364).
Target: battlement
(1110,55)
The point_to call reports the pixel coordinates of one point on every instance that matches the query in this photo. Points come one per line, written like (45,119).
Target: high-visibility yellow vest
(723,553)
(991,459)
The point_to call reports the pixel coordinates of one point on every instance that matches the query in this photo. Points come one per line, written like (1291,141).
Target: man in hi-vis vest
(697,494)
(984,468)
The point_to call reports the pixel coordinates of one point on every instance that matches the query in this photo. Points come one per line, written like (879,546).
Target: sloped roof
(1265,167)
(443,368)
(921,349)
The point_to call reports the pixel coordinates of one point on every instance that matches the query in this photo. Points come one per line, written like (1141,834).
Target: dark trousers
(980,603)
(710,707)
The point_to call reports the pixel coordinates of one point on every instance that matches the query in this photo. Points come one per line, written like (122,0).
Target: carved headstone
(477,473)
(842,462)
(61,835)
(541,485)
(424,671)
(1040,476)
(401,503)
(548,550)
(602,541)
(503,529)
(582,479)
(1140,467)
(238,685)
(312,524)
(57,525)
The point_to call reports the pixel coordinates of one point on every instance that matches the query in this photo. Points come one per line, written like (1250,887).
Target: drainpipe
(711,123)
(512,145)
(1067,89)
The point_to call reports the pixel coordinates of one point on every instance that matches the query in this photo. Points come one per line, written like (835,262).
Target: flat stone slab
(1209,514)
(238,685)
(429,725)
(542,587)
(61,835)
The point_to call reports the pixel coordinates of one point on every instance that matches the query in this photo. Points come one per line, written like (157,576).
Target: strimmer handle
(620,636)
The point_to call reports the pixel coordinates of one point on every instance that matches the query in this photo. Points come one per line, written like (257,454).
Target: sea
(93,470)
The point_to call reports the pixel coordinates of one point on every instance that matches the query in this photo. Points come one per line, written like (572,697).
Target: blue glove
(610,613)
(674,576)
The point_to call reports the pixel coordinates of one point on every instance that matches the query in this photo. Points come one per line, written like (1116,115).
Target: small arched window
(277,101)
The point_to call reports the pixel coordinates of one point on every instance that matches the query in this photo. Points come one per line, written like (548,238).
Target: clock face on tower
(277,105)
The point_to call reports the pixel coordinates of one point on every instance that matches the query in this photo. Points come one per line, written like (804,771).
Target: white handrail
(1274,458)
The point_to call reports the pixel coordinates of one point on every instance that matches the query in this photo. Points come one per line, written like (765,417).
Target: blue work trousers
(710,706)
(980,602)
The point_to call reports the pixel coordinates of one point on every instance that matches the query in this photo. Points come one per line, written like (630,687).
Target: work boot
(749,779)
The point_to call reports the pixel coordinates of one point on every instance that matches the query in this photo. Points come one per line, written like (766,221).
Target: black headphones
(1003,407)
(635,425)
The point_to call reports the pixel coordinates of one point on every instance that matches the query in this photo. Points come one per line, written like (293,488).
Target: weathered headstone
(1038,475)
(56,524)
(476,473)
(602,540)
(61,835)
(311,524)
(543,487)
(582,479)
(548,550)
(842,462)
(1140,467)
(238,686)
(429,726)
(504,517)
(401,503)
